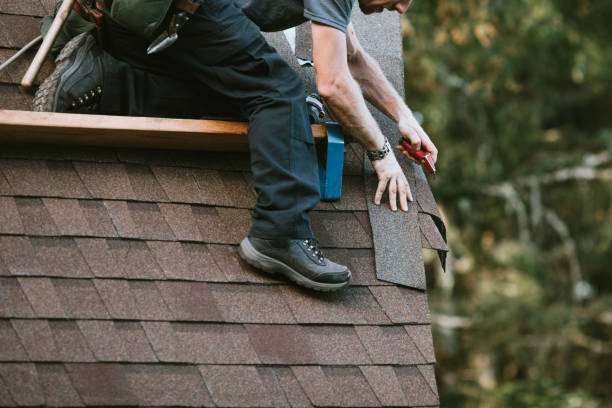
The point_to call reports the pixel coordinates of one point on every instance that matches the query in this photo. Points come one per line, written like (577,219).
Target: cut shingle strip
(190,301)
(179,184)
(37,339)
(421,335)
(27,177)
(149,221)
(168,385)
(351,387)
(251,304)
(101,384)
(70,343)
(336,345)
(80,299)
(98,218)
(35,217)
(149,301)
(57,387)
(416,388)
(68,216)
(432,233)
(281,344)
(22,382)
(12,349)
(385,385)
(402,305)
(144,184)
(19,256)
(283,388)
(60,257)
(182,221)
(389,345)
(316,385)
(42,296)
(235,386)
(12,300)
(10,220)
(105,180)
(66,182)
(213,344)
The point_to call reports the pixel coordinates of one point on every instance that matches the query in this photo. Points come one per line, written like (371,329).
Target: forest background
(517,96)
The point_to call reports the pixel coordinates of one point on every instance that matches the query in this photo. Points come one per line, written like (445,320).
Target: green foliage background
(517,96)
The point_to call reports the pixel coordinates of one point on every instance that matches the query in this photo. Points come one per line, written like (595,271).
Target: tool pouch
(90,10)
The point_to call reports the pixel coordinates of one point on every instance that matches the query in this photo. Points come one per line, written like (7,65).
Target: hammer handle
(43,51)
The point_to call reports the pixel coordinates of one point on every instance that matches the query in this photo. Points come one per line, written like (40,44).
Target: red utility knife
(421,156)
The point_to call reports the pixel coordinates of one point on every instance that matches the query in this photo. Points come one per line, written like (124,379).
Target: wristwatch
(379,154)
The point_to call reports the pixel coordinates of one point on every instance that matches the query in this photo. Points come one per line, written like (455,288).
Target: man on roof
(220,65)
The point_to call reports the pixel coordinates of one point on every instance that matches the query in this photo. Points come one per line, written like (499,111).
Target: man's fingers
(393,194)
(403,191)
(380,191)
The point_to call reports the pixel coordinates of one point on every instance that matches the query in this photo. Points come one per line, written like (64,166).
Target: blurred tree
(518,97)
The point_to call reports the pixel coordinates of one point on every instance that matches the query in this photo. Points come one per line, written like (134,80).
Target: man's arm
(336,84)
(380,93)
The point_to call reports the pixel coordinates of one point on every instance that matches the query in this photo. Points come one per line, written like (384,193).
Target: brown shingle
(235,386)
(385,385)
(27,177)
(316,385)
(401,307)
(350,386)
(57,387)
(37,339)
(19,256)
(3,269)
(339,229)
(235,269)
(421,335)
(190,300)
(60,257)
(5,397)
(103,339)
(164,341)
(336,345)
(21,8)
(169,256)
(238,222)
(213,186)
(22,382)
(122,219)
(149,301)
(135,343)
(70,343)
(105,180)
(135,260)
(212,228)
(181,220)
(80,299)
(149,221)
(12,349)
(281,344)
(101,256)
(68,216)
(41,294)
(283,388)
(12,299)
(5,188)
(416,388)
(428,372)
(10,221)
(66,182)
(35,217)
(179,184)
(417,303)
(101,384)
(118,298)
(389,345)
(353,195)
(144,184)
(98,218)
(353,159)
(169,385)
(251,304)
(201,263)
(12,98)
(214,344)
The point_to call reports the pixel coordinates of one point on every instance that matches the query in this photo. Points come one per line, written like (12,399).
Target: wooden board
(124,131)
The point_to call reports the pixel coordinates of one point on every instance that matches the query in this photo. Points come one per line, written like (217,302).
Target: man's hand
(416,136)
(389,172)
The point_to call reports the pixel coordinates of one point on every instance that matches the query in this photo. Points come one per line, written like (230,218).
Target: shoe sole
(45,99)
(272,266)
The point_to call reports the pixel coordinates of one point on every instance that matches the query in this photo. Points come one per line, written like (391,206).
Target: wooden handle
(43,51)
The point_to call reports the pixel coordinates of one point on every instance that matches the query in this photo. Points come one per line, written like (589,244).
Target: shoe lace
(88,98)
(313,245)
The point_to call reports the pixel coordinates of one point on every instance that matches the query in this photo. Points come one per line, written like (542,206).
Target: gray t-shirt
(276,15)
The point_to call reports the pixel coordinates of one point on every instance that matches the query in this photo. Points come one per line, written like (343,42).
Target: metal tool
(169,37)
(316,109)
(421,156)
(20,52)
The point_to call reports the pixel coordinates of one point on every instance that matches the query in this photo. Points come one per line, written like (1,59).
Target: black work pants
(233,72)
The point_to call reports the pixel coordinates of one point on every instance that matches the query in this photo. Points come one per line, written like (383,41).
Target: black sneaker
(76,84)
(300,260)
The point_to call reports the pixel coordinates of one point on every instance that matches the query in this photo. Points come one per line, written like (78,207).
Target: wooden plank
(126,131)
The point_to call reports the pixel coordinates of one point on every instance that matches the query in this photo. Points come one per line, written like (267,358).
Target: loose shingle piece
(121,283)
